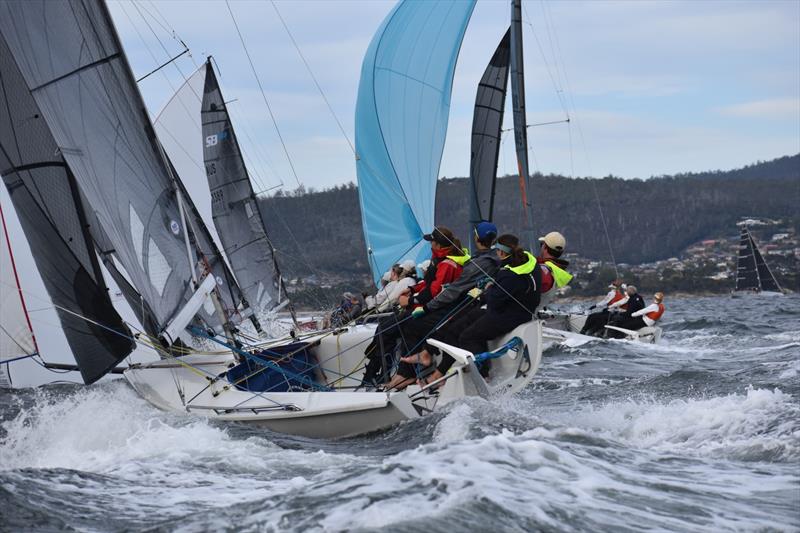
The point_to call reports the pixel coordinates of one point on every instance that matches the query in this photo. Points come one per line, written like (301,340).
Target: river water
(699,433)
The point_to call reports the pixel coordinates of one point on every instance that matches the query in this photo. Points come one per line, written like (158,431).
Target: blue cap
(486,230)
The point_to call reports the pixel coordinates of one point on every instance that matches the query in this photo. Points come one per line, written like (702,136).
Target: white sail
(16,334)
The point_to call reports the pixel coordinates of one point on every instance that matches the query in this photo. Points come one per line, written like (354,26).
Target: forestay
(50,211)
(401,123)
(487,123)
(73,63)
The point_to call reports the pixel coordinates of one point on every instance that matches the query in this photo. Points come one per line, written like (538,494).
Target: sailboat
(78,125)
(753,275)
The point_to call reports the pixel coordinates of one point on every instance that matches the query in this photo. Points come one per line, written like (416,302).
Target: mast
(520,119)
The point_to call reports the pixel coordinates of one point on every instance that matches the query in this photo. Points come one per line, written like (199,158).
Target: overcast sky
(656,88)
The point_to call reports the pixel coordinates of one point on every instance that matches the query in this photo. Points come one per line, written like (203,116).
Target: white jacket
(395,292)
(643,313)
(384,292)
(619,303)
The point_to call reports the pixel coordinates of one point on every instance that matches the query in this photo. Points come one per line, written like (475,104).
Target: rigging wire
(567,103)
(263,93)
(314,78)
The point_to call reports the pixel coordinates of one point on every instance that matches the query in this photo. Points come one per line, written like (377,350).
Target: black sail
(234,206)
(47,201)
(73,64)
(746,271)
(487,123)
(520,120)
(765,276)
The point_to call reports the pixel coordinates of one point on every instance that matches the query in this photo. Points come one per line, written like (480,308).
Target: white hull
(198,385)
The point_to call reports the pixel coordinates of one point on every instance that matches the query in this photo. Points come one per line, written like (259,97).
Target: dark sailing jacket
(515,293)
(485,263)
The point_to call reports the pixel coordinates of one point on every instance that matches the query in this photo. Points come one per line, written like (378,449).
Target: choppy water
(700,433)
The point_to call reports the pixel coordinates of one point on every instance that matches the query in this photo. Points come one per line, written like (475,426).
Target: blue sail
(401,123)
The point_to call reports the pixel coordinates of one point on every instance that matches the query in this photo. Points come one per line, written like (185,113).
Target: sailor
(481,267)
(388,283)
(645,317)
(404,277)
(595,322)
(447,259)
(633,302)
(422,268)
(511,299)
(554,274)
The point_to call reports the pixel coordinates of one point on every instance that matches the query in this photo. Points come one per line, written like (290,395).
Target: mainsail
(48,204)
(74,67)
(234,205)
(520,120)
(401,123)
(752,272)
(487,123)
(16,333)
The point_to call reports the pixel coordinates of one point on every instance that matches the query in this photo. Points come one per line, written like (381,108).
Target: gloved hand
(474,293)
(592,306)
(483,281)
(418,312)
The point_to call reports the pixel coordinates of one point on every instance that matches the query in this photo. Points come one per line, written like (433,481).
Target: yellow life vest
(524,268)
(460,259)
(560,276)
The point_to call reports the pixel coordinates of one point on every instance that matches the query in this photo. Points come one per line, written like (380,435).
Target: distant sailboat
(753,276)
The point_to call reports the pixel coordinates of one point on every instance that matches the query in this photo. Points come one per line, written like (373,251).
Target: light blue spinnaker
(401,124)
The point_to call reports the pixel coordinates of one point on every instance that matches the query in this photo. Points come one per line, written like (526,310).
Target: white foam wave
(760,424)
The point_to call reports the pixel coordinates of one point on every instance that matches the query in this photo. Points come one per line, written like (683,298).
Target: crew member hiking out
(554,273)
(447,258)
(450,302)
(511,299)
(645,317)
(596,322)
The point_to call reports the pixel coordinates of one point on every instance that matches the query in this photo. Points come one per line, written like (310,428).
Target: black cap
(441,236)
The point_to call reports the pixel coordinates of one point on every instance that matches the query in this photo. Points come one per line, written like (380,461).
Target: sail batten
(401,123)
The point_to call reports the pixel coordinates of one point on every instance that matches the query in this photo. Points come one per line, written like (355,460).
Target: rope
(308,68)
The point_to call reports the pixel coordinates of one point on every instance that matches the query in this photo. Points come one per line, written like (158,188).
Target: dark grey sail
(73,64)
(48,205)
(765,276)
(209,255)
(234,206)
(487,123)
(746,271)
(520,120)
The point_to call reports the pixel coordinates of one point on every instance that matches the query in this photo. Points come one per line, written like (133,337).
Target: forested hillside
(647,220)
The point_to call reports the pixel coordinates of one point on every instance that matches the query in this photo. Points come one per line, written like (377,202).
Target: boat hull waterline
(189,386)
